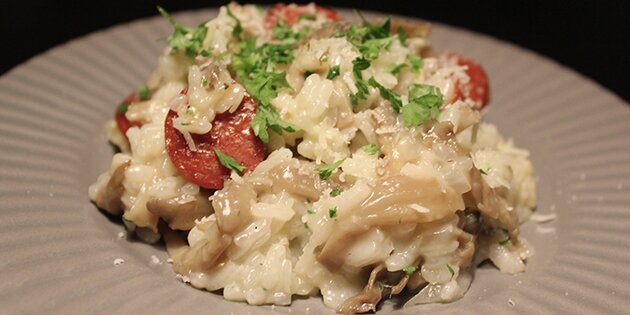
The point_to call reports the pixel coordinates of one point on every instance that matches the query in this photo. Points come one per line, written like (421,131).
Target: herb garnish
(409,270)
(189,40)
(143,92)
(333,72)
(229,161)
(332,212)
(424,104)
(370,149)
(326,170)
(450,270)
(122,108)
(335,192)
(238,28)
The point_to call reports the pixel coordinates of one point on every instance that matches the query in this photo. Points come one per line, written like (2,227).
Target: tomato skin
(478,88)
(230,133)
(121,120)
(291,14)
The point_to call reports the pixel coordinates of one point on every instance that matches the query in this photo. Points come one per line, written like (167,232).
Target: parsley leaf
(409,270)
(424,104)
(238,29)
(264,85)
(416,62)
(268,118)
(333,72)
(395,69)
(310,211)
(144,93)
(332,212)
(284,32)
(504,242)
(255,67)
(359,65)
(387,94)
(335,192)
(229,161)
(281,30)
(483,172)
(122,108)
(371,48)
(450,270)
(370,149)
(402,35)
(183,38)
(326,170)
(306,16)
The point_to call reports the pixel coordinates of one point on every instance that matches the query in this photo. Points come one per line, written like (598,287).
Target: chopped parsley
(284,32)
(306,16)
(402,35)
(370,149)
(307,73)
(332,212)
(424,104)
(144,93)
(409,270)
(483,172)
(306,226)
(504,242)
(326,170)
(387,94)
(359,65)
(185,39)
(416,62)
(333,72)
(256,68)
(228,161)
(268,118)
(395,68)
(310,211)
(205,53)
(281,30)
(204,82)
(450,270)
(335,192)
(370,49)
(370,40)
(122,108)
(238,28)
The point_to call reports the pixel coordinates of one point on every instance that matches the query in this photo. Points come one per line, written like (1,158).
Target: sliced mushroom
(367,300)
(374,291)
(394,200)
(181,216)
(490,204)
(109,198)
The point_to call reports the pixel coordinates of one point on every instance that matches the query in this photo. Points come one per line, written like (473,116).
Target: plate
(58,250)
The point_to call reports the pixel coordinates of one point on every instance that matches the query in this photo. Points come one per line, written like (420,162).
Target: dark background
(588,36)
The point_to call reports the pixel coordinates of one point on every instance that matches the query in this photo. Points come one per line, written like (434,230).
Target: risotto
(286,151)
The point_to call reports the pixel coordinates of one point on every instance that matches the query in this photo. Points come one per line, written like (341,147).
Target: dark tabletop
(588,36)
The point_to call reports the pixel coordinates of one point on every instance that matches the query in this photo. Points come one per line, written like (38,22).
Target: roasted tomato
(230,133)
(291,13)
(477,89)
(121,120)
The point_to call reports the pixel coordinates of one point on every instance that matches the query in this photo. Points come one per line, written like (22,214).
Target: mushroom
(109,198)
(181,216)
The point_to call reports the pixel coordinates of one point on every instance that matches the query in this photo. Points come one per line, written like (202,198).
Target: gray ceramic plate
(57,250)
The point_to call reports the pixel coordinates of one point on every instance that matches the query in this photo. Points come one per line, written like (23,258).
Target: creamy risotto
(287,151)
